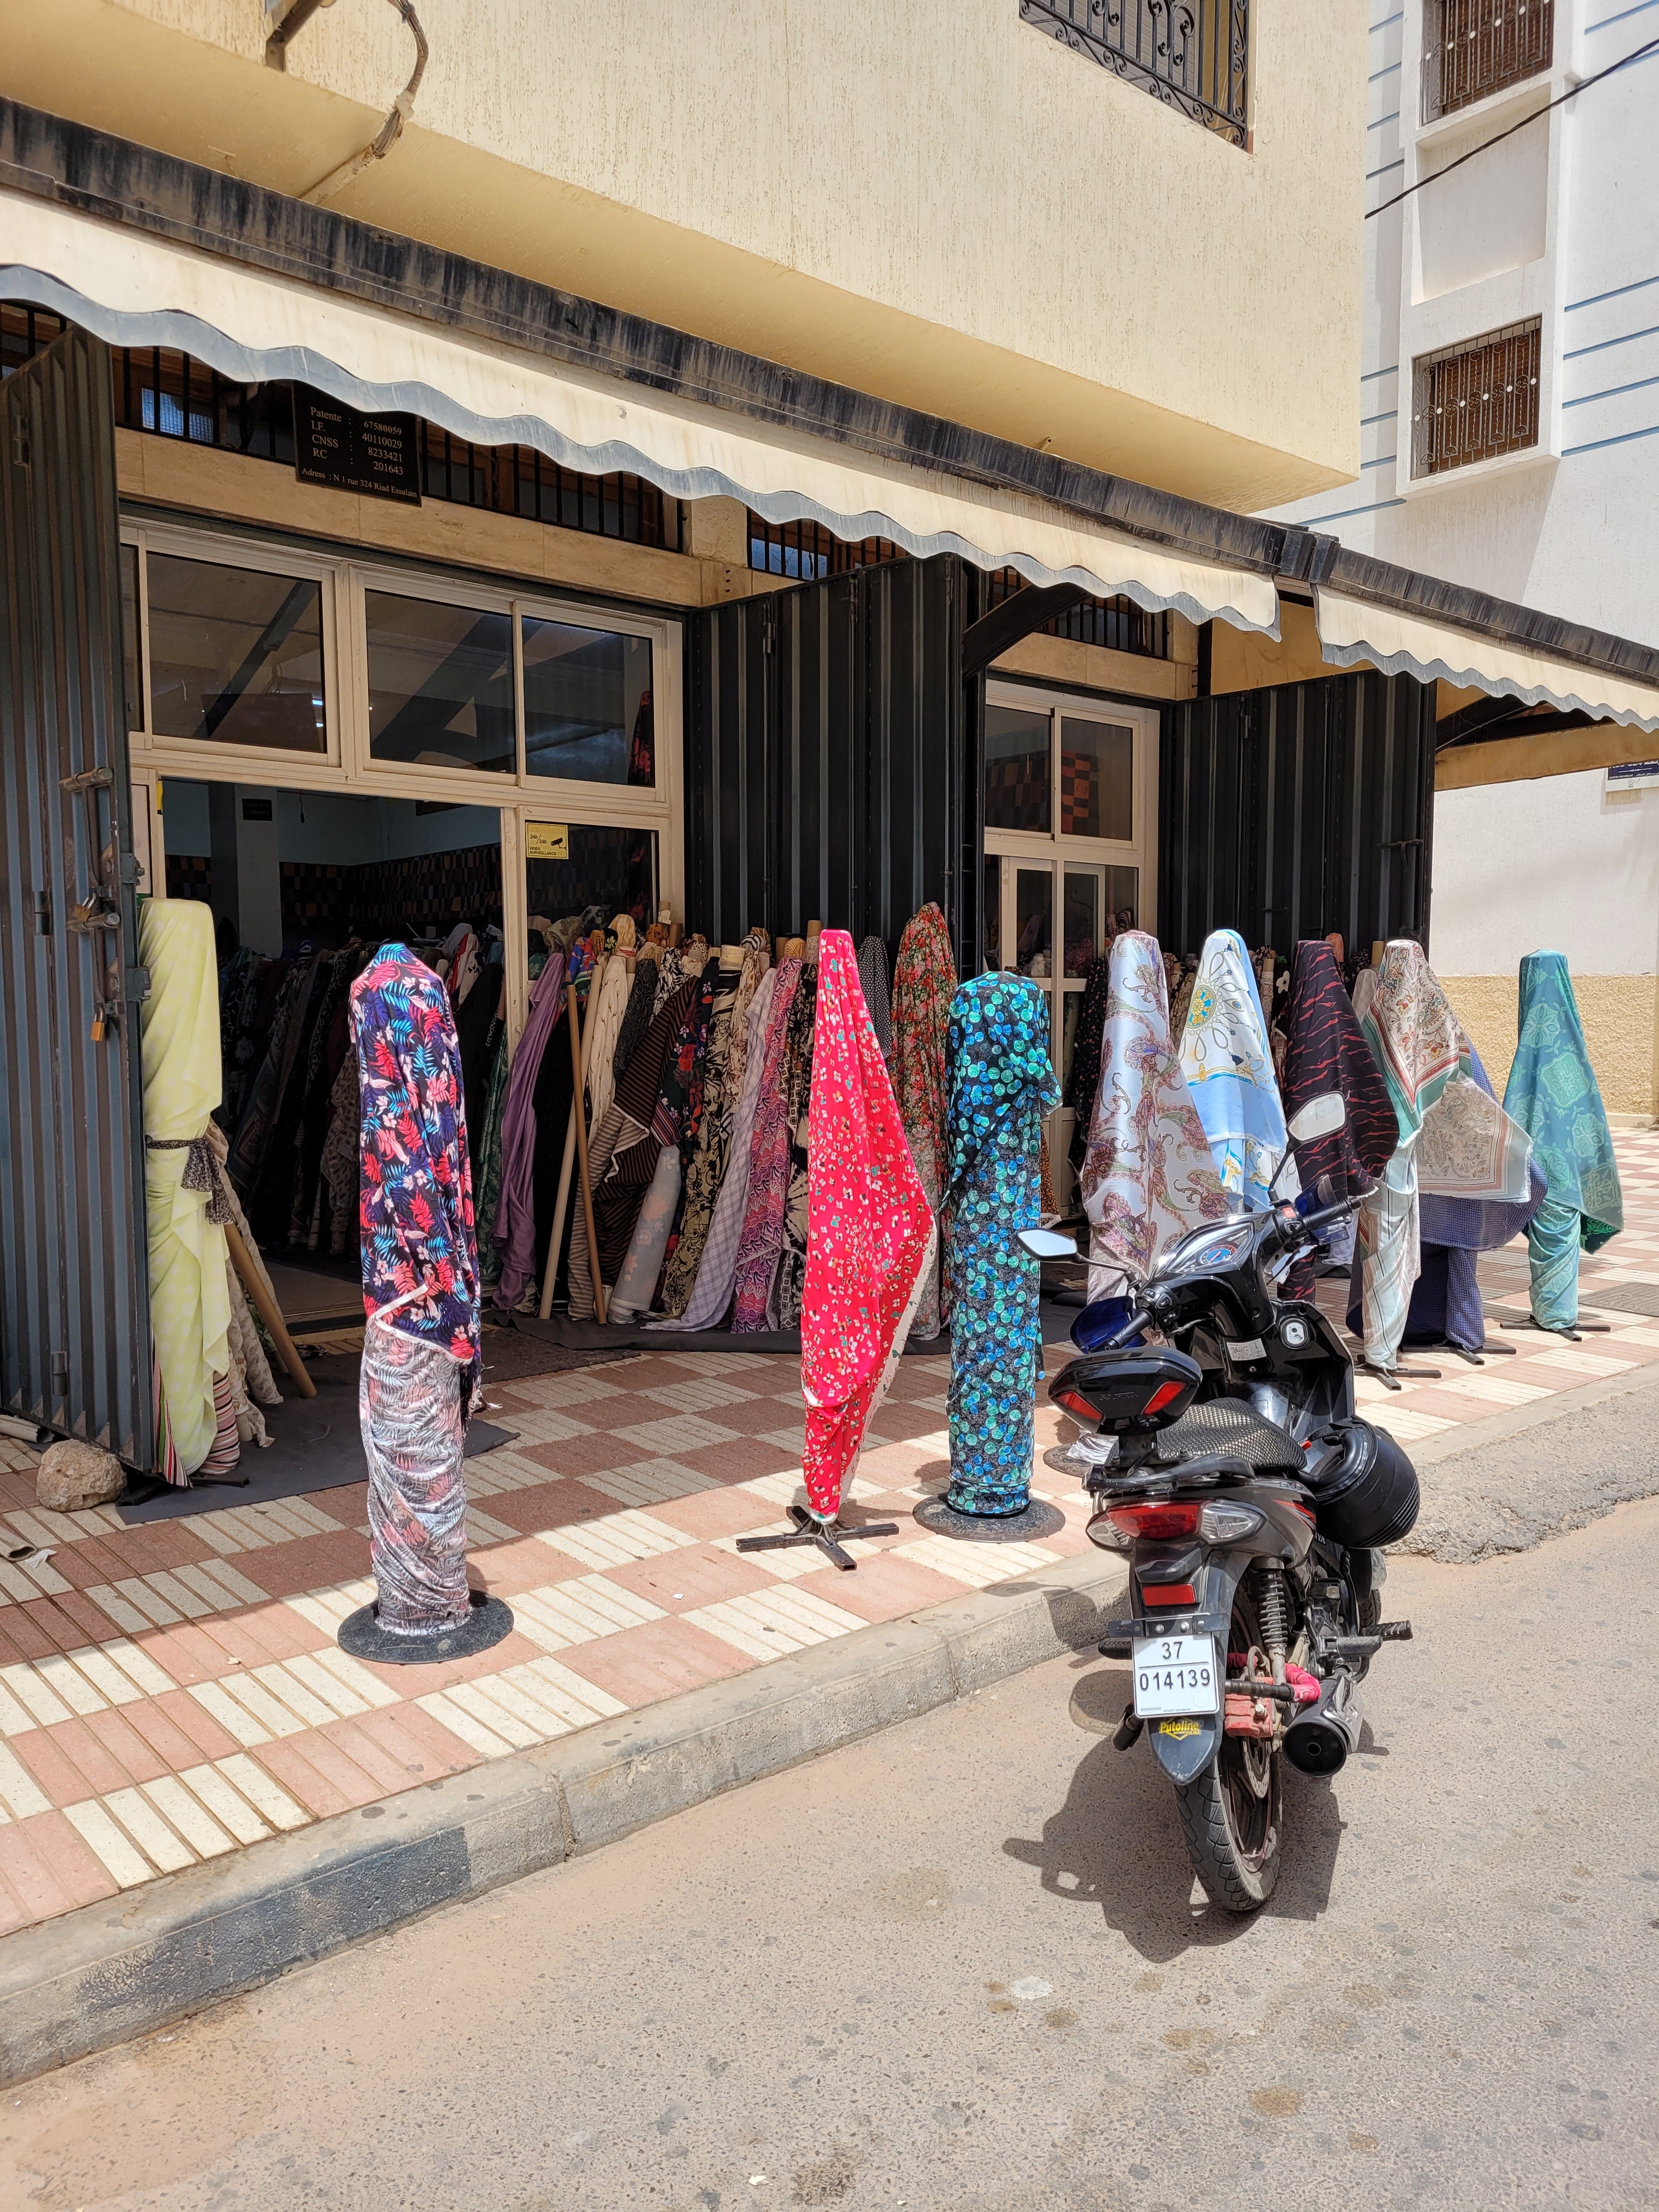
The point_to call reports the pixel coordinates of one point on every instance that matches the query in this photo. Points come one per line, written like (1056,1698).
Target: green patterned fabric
(1551,1092)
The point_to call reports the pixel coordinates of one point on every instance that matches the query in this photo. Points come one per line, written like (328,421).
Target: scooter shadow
(1115,1845)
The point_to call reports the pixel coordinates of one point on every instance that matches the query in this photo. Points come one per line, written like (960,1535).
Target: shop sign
(348,451)
(547,840)
(1630,775)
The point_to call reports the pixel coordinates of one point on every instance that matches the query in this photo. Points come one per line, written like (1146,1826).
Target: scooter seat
(1224,1433)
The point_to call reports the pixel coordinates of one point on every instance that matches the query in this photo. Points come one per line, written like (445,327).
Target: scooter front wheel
(1232,1816)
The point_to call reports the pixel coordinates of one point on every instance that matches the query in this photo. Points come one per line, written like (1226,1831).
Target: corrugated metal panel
(833,754)
(75,1347)
(1291,812)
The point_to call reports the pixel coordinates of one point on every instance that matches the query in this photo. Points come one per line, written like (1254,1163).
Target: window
(236,655)
(1474,47)
(172,395)
(1476,401)
(587,703)
(1018,771)
(440,685)
(598,865)
(810,551)
(1193,55)
(1096,779)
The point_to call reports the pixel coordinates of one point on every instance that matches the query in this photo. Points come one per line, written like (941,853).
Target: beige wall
(1618,1014)
(940,205)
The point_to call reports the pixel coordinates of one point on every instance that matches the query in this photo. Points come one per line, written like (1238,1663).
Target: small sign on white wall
(1632,776)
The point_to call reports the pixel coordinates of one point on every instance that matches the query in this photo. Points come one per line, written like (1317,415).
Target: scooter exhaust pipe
(1319,1741)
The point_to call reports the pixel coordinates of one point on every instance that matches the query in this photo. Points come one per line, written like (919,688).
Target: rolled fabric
(1552,1093)
(789,1283)
(1414,1039)
(708,1165)
(1001,1084)
(711,1293)
(515,1225)
(1555,1242)
(637,1015)
(1148,1175)
(633,1149)
(410,1412)
(1326,1051)
(603,1024)
(870,1231)
(1227,1060)
(878,1000)
(419,1260)
(189,1297)
(761,1236)
(924,981)
(1083,1083)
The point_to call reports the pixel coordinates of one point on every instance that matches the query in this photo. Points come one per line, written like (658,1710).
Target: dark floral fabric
(416,1205)
(1002,1083)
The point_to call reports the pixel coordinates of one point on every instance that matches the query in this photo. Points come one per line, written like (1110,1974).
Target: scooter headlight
(1221,1522)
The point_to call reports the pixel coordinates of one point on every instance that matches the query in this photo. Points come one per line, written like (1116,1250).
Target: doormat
(317,1444)
(511,1354)
(1621,1298)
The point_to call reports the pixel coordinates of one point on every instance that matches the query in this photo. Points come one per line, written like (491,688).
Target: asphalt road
(964,1967)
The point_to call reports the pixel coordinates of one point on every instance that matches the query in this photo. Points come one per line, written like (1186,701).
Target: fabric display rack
(673,1208)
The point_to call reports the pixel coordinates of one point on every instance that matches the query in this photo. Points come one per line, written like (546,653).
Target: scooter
(1221,1451)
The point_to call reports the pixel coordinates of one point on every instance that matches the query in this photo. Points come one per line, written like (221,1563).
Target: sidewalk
(172,1693)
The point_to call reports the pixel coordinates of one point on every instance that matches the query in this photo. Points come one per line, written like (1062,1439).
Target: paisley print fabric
(762,1239)
(416,1212)
(870,1230)
(924,980)
(1001,1085)
(1228,1063)
(727,1051)
(1478,1182)
(1148,1175)
(1414,1039)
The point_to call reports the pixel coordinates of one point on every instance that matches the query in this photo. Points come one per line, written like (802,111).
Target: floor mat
(511,1353)
(594,1335)
(1621,1298)
(317,1445)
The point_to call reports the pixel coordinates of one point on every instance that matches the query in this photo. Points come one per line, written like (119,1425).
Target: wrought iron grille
(172,395)
(1117,622)
(810,551)
(1474,401)
(1194,55)
(1472,47)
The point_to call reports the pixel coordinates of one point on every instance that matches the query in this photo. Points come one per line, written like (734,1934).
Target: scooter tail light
(1168,1594)
(1165,1394)
(1175,1518)
(1075,1402)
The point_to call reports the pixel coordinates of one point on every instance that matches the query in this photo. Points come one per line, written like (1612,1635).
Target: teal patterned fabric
(1000,1084)
(1551,1092)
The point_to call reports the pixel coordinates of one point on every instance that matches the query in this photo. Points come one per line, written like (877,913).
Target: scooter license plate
(1173,1675)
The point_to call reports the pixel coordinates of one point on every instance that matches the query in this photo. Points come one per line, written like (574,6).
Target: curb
(113,1971)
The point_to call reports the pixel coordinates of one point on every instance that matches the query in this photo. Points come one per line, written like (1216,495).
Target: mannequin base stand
(1493,1348)
(1387,1375)
(1573,1332)
(1036,1519)
(828,1535)
(363,1638)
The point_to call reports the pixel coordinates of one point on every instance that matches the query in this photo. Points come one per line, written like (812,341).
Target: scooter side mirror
(1047,1243)
(1320,1117)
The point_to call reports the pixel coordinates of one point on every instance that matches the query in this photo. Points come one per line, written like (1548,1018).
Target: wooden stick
(269,1311)
(561,1205)
(579,1117)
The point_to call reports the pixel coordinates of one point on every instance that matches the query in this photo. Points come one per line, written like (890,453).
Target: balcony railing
(1472,47)
(1477,401)
(1194,55)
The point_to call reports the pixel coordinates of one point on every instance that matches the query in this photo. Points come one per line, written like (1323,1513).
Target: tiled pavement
(172,1692)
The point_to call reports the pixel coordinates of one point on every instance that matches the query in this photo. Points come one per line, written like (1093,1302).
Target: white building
(1510,388)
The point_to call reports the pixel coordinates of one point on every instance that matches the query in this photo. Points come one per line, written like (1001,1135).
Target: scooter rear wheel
(1232,1817)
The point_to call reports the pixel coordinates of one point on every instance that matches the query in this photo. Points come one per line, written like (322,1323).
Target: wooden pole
(269,1311)
(581,1120)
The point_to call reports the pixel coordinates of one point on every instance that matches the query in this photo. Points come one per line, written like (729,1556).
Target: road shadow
(1115,1846)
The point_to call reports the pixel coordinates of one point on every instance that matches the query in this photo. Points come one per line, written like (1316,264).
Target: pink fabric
(870,1232)
(768,1167)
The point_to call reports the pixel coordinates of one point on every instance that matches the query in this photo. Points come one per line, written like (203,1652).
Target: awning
(132,288)
(1353,629)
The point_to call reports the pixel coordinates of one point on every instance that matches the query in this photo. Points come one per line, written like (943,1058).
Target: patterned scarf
(871,1234)
(924,983)
(872,981)
(1552,1093)
(1478,1181)
(1228,1064)
(769,1166)
(1148,1177)
(415,1210)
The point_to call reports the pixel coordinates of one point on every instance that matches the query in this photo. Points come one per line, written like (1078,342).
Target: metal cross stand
(828,1535)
